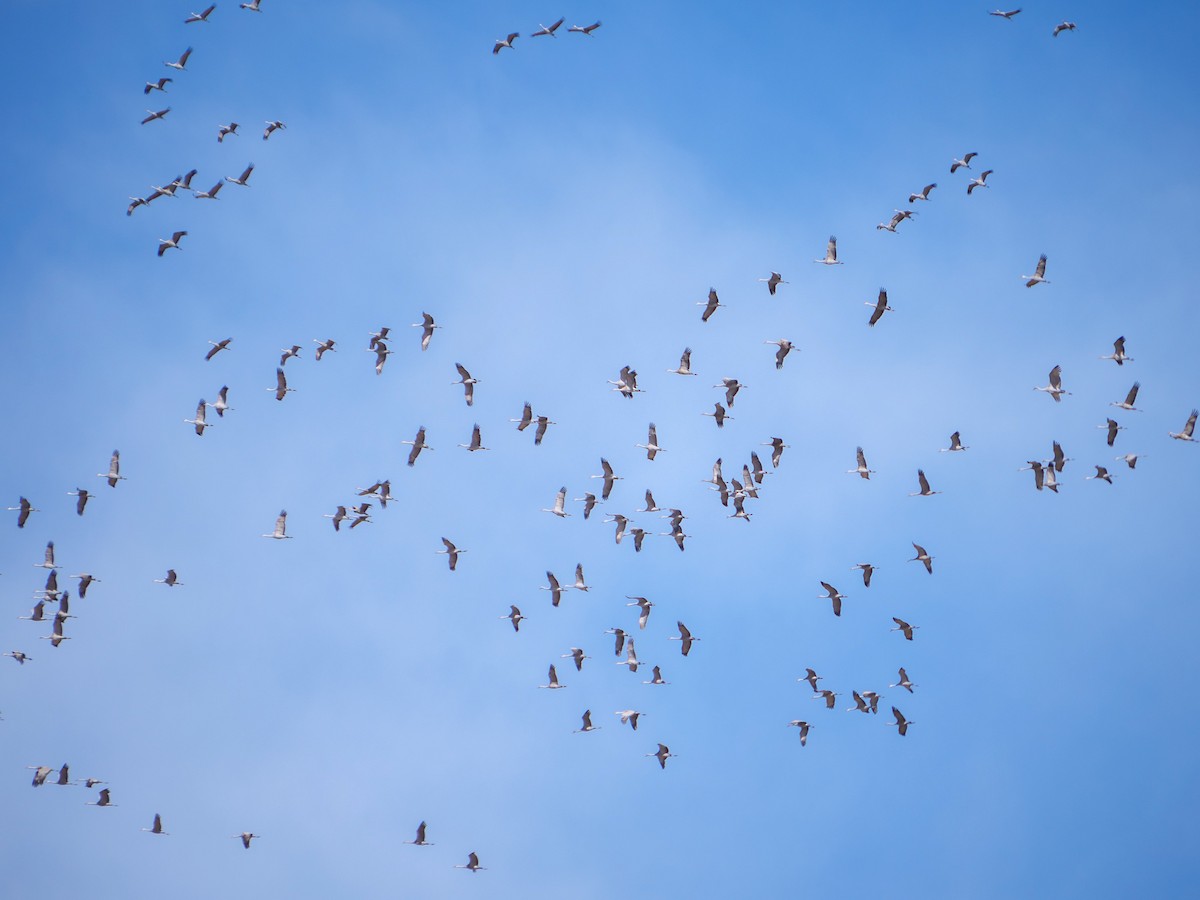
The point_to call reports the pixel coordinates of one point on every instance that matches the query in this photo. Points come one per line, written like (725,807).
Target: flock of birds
(735,492)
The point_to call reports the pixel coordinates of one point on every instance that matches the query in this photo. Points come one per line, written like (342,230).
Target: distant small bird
(82,496)
(585,29)
(200,16)
(222,403)
(812,678)
(292,352)
(477,444)
(48,560)
(540,431)
(159,85)
(154,115)
(105,799)
(418,444)
(420,839)
(1101,474)
(901,722)
(172,243)
(651,446)
(1054,388)
(773,282)
(1189,429)
(577,656)
(881,306)
(19,656)
(719,415)
(323,347)
(644,606)
(606,472)
(777,447)
(280,532)
(467,382)
(964,163)
(662,754)
(246,838)
(427,327)
(1130,459)
(924,195)
(685,364)
(1118,355)
(547,29)
(830,697)
(23,509)
(1039,274)
(515,617)
(923,557)
(732,386)
(923,482)
(157,827)
(1004,15)
(554,588)
(451,553)
(85,581)
(861,469)
(39,774)
(553,685)
(785,347)
(589,503)
(981,181)
(211,193)
(181,63)
(281,388)
(955,444)
(526,418)
(1112,428)
(1063,26)
(472,859)
(271,128)
(710,306)
(560,502)
(803,726)
(217,347)
(832,594)
(200,420)
(867,571)
(587,723)
(904,627)
(506,42)
(897,218)
(904,682)
(656,676)
(172,580)
(685,637)
(830,253)
(243,178)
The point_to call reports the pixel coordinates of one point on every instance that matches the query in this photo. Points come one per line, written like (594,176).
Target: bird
(777,447)
(589,503)
(20,657)
(685,637)
(773,282)
(472,859)
(172,580)
(656,676)
(619,634)
(662,754)
(685,364)
(56,637)
(1118,355)
(241,179)
(923,482)
(292,352)
(1060,459)
(580,584)
(651,446)
(642,604)
(803,726)
(506,42)
(200,16)
(1189,429)
(981,181)
(710,306)
(956,444)
(924,195)
(1130,459)
(609,478)
(560,501)
(252,5)
(200,420)
(785,347)
(526,418)
(181,63)
(85,581)
(812,678)
(832,594)
(1112,428)
(830,253)
(217,347)
(224,130)
(281,386)
(172,243)
(271,128)
(1054,388)
(427,326)
(477,444)
(881,306)
(64,776)
(898,217)
(861,469)
(104,799)
(83,497)
(134,203)
(651,506)
(629,717)
(1101,474)
(23,509)
(577,656)
(555,588)
(964,163)
(639,535)
(553,685)
(540,432)
(48,560)
(420,839)
(279,533)
(547,29)
(585,29)
(515,617)
(860,704)
(222,403)
(157,827)
(626,383)
(211,193)
(587,721)
(1063,26)
(922,556)
(40,773)
(830,697)
(418,444)
(1004,15)
(159,85)
(451,552)
(732,386)
(904,627)
(37,614)
(247,837)
(718,415)
(901,722)
(904,682)
(1039,274)
(467,382)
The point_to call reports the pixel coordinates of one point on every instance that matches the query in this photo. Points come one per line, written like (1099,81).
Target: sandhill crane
(651,506)
(157,827)
(777,447)
(271,128)
(1039,274)
(23,509)
(338,517)
(39,774)
(468,383)
(923,482)
(418,444)
(626,382)
(377,336)
(154,115)
(881,306)
(676,533)
(580,584)
(181,63)
(710,306)
(773,282)
(739,509)
(785,347)
(1063,26)
(1130,459)
(923,557)
(224,130)
(83,497)
(830,697)
(685,638)
(803,726)
(584,29)
(662,754)
(812,678)
(1130,399)
(1054,388)
(1189,429)
(685,364)
(134,203)
(1112,428)
(860,704)
(756,464)
(555,588)
(619,635)
(1118,355)
(48,560)
(639,535)
(718,415)
(924,195)
(897,217)
(472,859)
(324,346)
(64,776)
(279,533)
(830,253)
(587,723)
(506,42)
(252,6)
(867,571)
(51,588)
(56,636)
(514,616)
(20,657)
(609,478)
(243,178)
(247,837)
(589,503)
(577,656)
(832,594)
(540,432)
(186,181)
(656,676)
(451,553)
(105,799)
(477,442)
(901,723)
(200,421)
(964,163)
(644,606)
(553,685)
(1003,14)
(1060,459)
(904,682)
(981,181)
(292,352)
(217,347)
(547,29)
(651,446)
(526,418)
(861,469)
(904,627)
(956,444)
(85,581)
(172,580)
(165,244)
(281,388)
(1101,474)
(211,193)
(37,614)
(732,386)
(629,717)
(159,85)
(427,326)
(200,16)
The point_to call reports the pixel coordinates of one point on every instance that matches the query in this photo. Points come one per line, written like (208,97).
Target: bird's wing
(1041,266)
(923,481)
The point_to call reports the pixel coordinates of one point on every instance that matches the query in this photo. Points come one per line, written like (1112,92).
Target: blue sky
(561,209)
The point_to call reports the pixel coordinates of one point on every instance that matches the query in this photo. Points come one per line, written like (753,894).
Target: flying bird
(1003,14)
(1112,428)
(427,327)
(555,588)
(515,617)
(159,85)
(1130,459)
(252,5)
(923,557)
(580,584)
(560,502)
(1039,274)
(662,754)
(1118,355)
(956,444)
(181,63)
(718,415)
(540,432)
(418,444)
(898,217)
(104,799)
(830,253)
(644,606)
(577,656)
(685,364)
(451,552)
(271,128)
(200,16)
(773,282)
(1063,26)
(172,580)
(881,306)
(651,446)
(157,827)
(924,195)
(172,243)
(281,386)
(507,42)
(964,163)
(547,29)
(246,838)
(243,178)
(803,726)
(200,420)
(923,482)
(211,193)
(589,503)
(685,637)
(1054,388)
(629,717)
(280,532)
(553,685)
(48,559)
(785,347)
(606,472)
(861,469)
(467,382)
(323,347)
(904,682)
(1101,474)
(832,594)
(1189,429)
(710,306)
(904,627)
(981,181)
(224,130)
(472,859)
(585,29)
(217,347)
(901,722)
(23,509)
(477,442)
(82,496)
(867,571)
